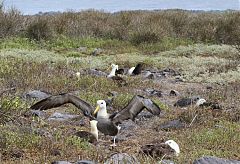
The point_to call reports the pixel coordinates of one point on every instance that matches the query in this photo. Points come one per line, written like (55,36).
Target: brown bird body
(88,136)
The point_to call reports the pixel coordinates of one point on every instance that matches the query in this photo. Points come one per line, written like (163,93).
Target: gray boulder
(214,160)
(85,162)
(122,158)
(35,95)
(61,162)
(174,124)
(61,116)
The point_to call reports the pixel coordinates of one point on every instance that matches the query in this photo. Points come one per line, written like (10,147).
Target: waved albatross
(135,70)
(108,123)
(120,81)
(164,149)
(130,111)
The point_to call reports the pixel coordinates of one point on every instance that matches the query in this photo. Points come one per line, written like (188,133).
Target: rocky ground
(47,136)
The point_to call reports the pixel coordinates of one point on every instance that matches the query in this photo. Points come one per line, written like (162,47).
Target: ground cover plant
(44,52)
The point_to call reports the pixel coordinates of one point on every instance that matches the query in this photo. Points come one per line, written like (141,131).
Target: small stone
(174,124)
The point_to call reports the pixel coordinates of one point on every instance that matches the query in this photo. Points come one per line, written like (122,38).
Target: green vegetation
(44,53)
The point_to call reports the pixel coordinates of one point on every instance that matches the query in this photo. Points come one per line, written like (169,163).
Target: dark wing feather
(151,106)
(58,100)
(138,69)
(120,71)
(134,107)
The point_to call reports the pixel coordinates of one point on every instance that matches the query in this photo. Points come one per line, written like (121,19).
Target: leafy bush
(39,30)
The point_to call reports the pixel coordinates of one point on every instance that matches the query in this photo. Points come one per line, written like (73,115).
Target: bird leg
(114,138)
(114,142)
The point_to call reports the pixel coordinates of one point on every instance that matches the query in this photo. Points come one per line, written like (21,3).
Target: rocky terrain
(46,136)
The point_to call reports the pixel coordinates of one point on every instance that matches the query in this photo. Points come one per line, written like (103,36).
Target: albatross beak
(96,110)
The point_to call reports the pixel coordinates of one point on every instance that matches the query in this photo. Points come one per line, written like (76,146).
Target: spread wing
(134,107)
(58,100)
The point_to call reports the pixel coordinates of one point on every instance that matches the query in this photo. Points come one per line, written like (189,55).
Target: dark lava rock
(35,95)
(122,158)
(174,124)
(186,101)
(214,160)
(62,117)
(144,115)
(16,153)
(212,105)
(148,75)
(96,51)
(128,125)
(169,71)
(61,162)
(55,152)
(179,79)
(153,92)
(167,162)
(174,93)
(85,162)
(35,113)
(82,50)
(95,72)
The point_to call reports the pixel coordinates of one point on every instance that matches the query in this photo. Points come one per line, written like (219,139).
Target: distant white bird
(200,102)
(113,71)
(78,75)
(174,146)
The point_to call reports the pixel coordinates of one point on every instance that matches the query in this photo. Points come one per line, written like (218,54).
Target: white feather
(130,71)
(174,146)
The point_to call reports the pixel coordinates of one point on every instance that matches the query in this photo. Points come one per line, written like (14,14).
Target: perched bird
(200,102)
(174,146)
(108,123)
(91,136)
(113,71)
(135,70)
(119,80)
(78,75)
(166,149)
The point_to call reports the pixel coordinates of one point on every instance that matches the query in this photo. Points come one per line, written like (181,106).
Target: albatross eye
(101,102)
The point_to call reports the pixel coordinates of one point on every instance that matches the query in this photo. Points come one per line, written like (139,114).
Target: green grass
(29,65)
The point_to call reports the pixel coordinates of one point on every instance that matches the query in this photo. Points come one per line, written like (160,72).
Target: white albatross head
(174,146)
(200,102)
(94,130)
(113,71)
(101,109)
